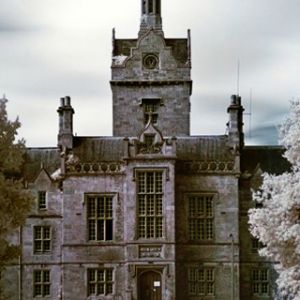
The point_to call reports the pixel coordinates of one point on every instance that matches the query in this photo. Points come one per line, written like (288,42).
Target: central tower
(151,76)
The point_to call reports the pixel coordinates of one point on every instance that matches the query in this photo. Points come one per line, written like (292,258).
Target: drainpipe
(232,266)
(21,263)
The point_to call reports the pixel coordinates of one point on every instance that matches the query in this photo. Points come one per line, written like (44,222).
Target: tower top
(150,16)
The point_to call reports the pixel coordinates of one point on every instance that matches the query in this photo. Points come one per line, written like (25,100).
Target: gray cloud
(51,49)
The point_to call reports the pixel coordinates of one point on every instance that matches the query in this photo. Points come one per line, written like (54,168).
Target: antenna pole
(238,77)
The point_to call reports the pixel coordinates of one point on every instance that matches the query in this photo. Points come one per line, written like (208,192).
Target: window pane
(100,218)
(150,207)
(200,217)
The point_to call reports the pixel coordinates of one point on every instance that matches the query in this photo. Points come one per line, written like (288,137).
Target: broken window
(100,218)
(150,107)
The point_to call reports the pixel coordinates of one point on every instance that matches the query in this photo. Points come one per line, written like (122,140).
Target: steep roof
(36,158)
(96,149)
(204,148)
(268,158)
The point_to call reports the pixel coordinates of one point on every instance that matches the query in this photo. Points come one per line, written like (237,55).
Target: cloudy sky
(53,48)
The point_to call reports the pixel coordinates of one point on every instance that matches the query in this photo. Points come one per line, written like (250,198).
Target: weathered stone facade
(152,212)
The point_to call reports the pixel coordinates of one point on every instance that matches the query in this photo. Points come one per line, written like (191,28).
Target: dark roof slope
(96,149)
(269,159)
(204,148)
(36,158)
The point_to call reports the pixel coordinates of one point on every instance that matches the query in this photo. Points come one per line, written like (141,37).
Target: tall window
(150,206)
(201,217)
(42,200)
(42,239)
(100,217)
(100,281)
(150,107)
(260,281)
(41,283)
(201,281)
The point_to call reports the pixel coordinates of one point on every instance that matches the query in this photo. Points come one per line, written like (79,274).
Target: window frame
(156,103)
(206,283)
(42,239)
(192,237)
(44,199)
(260,282)
(42,283)
(113,196)
(147,216)
(97,282)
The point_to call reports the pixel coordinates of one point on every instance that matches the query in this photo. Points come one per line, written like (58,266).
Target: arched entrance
(149,285)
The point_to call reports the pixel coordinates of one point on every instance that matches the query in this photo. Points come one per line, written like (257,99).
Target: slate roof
(193,148)
(269,159)
(97,149)
(204,148)
(35,158)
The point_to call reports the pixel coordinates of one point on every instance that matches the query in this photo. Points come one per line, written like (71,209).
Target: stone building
(151,212)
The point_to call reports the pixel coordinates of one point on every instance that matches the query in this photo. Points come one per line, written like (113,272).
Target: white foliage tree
(277,223)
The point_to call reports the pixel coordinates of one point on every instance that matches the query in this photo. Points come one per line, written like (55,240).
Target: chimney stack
(235,124)
(65,115)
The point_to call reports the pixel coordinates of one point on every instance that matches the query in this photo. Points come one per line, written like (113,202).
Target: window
(149,139)
(41,283)
(100,217)
(260,281)
(256,245)
(201,281)
(42,239)
(200,217)
(100,281)
(150,207)
(42,200)
(150,107)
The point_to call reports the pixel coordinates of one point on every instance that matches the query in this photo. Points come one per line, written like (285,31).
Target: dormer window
(149,140)
(42,205)
(150,107)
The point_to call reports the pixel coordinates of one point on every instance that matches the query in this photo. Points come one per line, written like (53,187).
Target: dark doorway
(149,285)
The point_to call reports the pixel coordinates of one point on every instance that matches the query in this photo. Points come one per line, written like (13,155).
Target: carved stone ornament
(150,141)
(150,61)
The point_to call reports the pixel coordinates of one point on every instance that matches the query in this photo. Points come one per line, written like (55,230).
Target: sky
(53,48)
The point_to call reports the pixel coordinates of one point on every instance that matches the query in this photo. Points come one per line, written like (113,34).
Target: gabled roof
(269,159)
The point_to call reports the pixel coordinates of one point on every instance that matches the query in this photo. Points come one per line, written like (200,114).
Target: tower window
(201,217)
(100,218)
(150,204)
(150,107)
(150,6)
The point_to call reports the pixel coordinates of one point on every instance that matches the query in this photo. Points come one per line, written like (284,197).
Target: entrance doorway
(149,285)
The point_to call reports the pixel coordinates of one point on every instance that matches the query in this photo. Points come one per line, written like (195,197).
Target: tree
(15,201)
(277,223)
